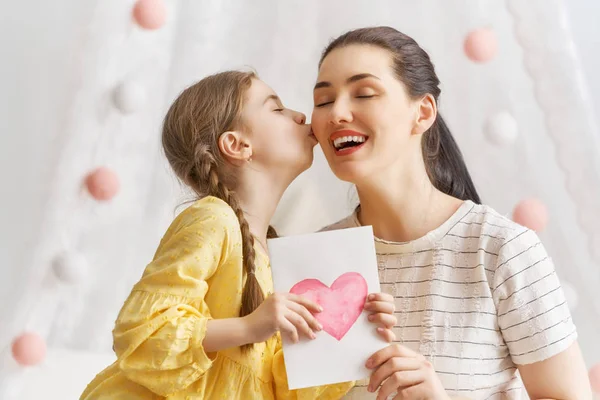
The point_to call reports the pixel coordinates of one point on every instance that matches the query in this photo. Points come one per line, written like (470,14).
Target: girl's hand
(287,313)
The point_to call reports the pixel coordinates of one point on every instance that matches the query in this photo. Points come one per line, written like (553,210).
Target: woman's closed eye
(323,104)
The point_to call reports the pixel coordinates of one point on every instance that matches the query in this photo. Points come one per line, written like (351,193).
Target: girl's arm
(159,333)
(226,333)
(285,312)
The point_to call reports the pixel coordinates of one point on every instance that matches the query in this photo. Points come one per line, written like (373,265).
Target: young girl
(196,325)
(481,313)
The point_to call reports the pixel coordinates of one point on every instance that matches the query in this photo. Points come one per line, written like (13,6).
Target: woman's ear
(425,115)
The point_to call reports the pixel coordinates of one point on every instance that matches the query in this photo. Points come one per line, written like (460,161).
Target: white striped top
(476,296)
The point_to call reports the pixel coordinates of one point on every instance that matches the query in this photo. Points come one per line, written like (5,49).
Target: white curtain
(59,122)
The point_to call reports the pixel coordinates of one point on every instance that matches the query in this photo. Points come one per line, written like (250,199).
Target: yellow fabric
(196,275)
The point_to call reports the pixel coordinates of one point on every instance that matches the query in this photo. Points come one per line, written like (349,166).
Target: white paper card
(337,269)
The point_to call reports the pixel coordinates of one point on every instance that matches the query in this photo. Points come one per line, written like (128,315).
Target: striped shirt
(476,296)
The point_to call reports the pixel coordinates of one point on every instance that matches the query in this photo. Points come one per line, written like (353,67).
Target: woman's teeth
(348,141)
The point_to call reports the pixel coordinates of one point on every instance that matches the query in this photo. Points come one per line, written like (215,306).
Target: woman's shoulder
(496,232)
(479,221)
(349,222)
(487,220)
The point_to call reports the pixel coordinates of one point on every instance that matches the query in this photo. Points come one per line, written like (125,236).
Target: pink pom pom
(594,375)
(481,45)
(29,349)
(102,183)
(532,214)
(150,14)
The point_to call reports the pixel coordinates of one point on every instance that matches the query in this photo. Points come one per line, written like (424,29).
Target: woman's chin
(349,173)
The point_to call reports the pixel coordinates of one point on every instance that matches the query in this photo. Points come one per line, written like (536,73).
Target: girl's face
(279,138)
(363,117)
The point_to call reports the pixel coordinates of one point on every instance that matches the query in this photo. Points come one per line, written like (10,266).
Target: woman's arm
(535,321)
(563,376)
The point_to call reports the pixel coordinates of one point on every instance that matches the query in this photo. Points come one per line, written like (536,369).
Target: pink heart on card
(342,303)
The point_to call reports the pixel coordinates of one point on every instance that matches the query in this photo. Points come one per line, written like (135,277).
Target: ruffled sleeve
(328,392)
(159,332)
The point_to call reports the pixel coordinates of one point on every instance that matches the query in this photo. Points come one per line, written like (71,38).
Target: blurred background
(84,86)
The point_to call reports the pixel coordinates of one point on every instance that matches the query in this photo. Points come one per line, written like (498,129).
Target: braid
(206,169)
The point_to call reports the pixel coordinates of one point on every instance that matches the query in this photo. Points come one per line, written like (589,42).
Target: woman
(480,310)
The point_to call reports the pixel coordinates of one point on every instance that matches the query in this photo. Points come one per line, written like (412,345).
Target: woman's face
(363,116)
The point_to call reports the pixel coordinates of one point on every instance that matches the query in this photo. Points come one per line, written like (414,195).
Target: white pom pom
(129,97)
(501,129)
(70,267)
(570,295)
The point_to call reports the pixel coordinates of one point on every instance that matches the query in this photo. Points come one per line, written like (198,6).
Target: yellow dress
(196,275)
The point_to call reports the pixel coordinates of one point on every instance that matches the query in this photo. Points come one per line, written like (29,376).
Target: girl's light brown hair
(190,136)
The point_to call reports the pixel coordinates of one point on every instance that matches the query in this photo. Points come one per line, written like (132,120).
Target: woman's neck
(405,210)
